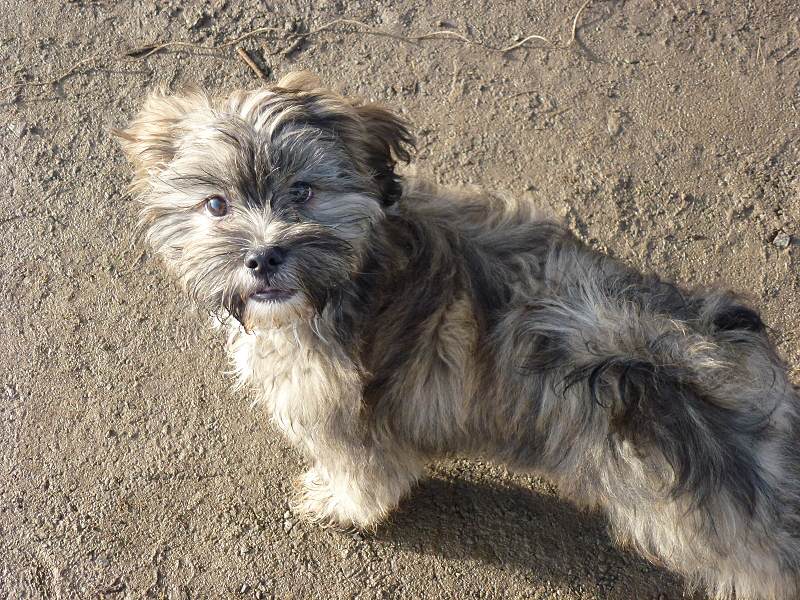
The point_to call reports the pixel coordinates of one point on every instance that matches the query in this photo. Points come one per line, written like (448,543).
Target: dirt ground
(666,133)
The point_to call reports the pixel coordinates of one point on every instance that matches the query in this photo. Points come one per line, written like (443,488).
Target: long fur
(430,323)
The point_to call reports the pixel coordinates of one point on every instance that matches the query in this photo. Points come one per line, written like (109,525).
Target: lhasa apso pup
(386,322)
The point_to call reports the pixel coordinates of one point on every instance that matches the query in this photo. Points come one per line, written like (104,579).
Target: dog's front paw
(324,503)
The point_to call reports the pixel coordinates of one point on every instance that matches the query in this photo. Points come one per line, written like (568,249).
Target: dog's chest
(292,373)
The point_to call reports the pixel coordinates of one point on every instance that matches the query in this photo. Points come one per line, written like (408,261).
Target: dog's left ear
(388,139)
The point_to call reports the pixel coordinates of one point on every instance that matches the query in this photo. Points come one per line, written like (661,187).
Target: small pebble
(193,17)
(782,240)
(19,129)
(614,123)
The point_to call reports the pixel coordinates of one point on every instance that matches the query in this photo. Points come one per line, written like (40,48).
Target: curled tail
(672,396)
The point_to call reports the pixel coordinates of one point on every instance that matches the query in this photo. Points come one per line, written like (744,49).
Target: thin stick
(785,56)
(524,41)
(454,81)
(243,54)
(522,93)
(571,41)
(758,50)
(575,22)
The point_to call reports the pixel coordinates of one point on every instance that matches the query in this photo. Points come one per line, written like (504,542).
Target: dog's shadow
(544,542)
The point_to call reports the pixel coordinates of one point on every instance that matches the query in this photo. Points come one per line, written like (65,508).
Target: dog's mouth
(271,294)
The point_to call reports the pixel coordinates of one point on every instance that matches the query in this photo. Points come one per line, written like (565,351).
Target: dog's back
(667,407)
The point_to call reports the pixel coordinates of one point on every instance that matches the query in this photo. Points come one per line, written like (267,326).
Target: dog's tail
(671,391)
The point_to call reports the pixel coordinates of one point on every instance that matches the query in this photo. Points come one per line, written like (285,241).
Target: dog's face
(263,202)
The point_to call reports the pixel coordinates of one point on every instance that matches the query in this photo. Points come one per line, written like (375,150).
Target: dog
(385,322)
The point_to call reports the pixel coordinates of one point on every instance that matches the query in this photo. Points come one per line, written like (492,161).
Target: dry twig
(575,22)
(787,55)
(248,60)
(521,93)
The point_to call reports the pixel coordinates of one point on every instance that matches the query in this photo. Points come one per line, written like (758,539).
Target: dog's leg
(356,486)
(358,472)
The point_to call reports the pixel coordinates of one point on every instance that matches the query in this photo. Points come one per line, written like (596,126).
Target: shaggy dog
(385,322)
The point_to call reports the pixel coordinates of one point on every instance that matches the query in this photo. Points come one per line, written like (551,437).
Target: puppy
(385,322)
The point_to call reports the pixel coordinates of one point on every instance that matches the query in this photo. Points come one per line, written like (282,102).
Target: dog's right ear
(152,138)
(387,139)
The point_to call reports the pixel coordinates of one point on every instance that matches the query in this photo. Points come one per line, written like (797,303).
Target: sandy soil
(667,134)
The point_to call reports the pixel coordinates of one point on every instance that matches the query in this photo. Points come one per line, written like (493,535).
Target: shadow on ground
(516,529)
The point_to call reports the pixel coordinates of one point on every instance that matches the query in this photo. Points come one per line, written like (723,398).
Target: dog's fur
(427,323)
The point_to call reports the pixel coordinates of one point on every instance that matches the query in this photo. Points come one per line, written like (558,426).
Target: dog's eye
(216,206)
(301,192)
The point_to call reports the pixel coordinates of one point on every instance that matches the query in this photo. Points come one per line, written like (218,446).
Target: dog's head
(263,202)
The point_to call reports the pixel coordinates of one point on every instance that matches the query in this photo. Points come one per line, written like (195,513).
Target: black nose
(265,261)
